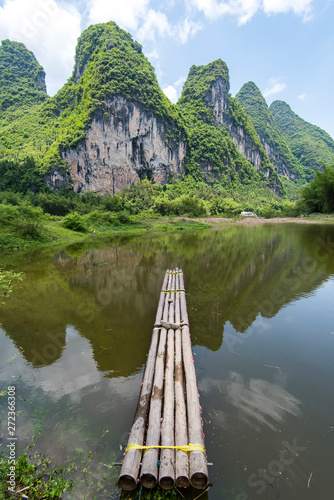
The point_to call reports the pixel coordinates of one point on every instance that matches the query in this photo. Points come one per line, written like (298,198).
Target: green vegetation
(75,222)
(35,129)
(212,152)
(39,219)
(22,78)
(310,145)
(154,494)
(36,478)
(318,196)
(21,176)
(109,63)
(254,104)
(8,279)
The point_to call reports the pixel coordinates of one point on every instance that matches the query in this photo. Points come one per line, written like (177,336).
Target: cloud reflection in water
(257,403)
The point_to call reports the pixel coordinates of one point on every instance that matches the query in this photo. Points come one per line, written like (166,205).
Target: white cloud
(144,22)
(134,15)
(180,81)
(275,87)
(47,28)
(126,13)
(244,10)
(171,93)
(187,29)
(153,55)
(302,97)
(154,22)
(213,9)
(301,8)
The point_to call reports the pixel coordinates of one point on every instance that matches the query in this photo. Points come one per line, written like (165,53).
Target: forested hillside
(310,145)
(111,126)
(256,107)
(223,143)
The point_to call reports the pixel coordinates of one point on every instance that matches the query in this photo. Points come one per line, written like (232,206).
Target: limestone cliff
(123,145)
(205,98)
(278,151)
(122,127)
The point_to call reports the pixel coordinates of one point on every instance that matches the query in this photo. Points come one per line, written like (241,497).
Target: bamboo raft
(166,437)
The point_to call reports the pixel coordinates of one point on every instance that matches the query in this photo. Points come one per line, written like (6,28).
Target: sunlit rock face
(123,145)
(220,102)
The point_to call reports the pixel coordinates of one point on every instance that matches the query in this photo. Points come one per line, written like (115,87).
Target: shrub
(30,220)
(24,218)
(75,222)
(268,213)
(112,203)
(123,218)
(54,204)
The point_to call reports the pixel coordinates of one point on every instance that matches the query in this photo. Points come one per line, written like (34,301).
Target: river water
(75,333)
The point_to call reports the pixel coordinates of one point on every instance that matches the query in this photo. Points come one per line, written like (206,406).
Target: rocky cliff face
(220,101)
(122,146)
(280,165)
(223,143)
(279,153)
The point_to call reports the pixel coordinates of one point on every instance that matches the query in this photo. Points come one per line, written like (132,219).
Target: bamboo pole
(197,460)
(130,468)
(167,456)
(149,470)
(181,433)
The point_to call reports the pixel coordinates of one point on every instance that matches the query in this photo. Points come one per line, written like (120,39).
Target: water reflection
(74,374)
(75,335)
(257,402)
(110,295)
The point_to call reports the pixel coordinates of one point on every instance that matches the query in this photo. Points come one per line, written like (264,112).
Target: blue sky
(285,46)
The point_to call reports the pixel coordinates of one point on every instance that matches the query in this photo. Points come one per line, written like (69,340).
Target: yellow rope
(172,291)
(186,447)
(175,272)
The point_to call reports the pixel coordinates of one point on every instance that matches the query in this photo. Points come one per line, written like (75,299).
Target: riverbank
(253,221)
(51,233)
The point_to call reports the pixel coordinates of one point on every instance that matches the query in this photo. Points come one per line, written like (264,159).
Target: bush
(123,218)
(24,218)
(318,196)
(30,220)
(75,222)
(113,203)
(268,213)
(8,213)
(54,204)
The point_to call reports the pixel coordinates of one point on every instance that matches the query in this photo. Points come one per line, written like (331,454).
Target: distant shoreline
(254,221)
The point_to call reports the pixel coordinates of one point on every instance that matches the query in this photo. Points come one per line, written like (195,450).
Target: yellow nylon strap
(186,447)
(172,291)
(175,272)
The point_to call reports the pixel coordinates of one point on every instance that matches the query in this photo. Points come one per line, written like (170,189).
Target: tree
(318,196)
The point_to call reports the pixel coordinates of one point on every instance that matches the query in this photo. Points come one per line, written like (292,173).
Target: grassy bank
(18,233)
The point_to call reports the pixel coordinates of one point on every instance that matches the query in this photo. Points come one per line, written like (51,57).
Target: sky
(286,47)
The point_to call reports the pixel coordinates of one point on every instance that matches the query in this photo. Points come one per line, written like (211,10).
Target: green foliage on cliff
(22,78)
(36,129)
(196,98)
(109,63)
(311,145)
(21,176)
(211,151)
(255,106)
(318,196)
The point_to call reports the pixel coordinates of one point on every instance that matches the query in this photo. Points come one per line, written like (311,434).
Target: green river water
(75,333)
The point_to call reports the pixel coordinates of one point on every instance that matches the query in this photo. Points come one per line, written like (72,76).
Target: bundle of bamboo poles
(166,437)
